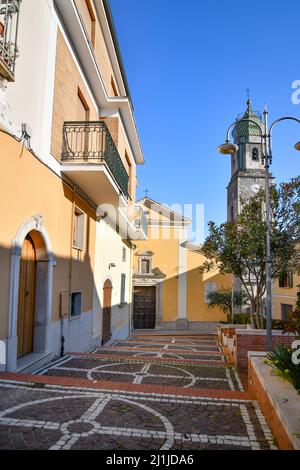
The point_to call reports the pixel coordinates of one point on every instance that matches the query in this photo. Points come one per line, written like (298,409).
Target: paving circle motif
(86,425)
(80,427)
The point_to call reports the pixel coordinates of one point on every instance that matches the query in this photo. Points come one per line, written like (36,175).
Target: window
(286,280)
(114,87)
(75,304)
(145,266)
(145,263)
(209,288)
(78,229)
(255,154)
(124,255)
(83,111)
(88,19)
(123,287)
(286,310)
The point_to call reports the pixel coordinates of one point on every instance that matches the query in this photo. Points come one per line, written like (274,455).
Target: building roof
(163,210)
(246,129)
(114,35)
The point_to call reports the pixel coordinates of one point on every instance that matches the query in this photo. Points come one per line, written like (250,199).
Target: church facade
(169,291)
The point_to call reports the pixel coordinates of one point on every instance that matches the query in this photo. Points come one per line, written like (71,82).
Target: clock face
(255,188)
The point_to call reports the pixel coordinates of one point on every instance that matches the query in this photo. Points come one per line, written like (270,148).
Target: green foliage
(242,318)
(281,361)
(278,324)
(293,323)
(239,247)
(223,300)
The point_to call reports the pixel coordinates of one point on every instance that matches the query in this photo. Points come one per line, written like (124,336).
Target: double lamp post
(229,148)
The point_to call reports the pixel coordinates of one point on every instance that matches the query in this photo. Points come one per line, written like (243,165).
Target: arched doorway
(106,324)
(26,306)
(30,308)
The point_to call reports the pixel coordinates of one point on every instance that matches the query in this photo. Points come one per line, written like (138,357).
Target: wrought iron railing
(91,142)
(141,220)
(9,22)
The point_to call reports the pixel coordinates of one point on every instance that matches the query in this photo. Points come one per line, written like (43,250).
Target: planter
(279,401)
(255,340)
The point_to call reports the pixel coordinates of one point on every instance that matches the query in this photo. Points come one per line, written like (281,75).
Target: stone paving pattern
(161,401)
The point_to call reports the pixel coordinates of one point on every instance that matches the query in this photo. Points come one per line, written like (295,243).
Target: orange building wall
(30,188)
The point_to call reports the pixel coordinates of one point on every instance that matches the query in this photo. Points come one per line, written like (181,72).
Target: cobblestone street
(144,393)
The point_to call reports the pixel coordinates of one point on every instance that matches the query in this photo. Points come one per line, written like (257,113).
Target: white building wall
(109,249)
(30,97)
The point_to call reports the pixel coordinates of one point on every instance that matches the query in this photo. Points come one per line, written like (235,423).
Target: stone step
(33,362)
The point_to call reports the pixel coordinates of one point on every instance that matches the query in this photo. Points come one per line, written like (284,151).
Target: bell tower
(247,170)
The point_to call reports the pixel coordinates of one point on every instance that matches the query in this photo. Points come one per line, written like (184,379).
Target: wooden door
(144,307)
(26,308)
(106,325)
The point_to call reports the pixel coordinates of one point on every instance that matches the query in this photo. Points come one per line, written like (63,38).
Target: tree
(239,247)
(223,300)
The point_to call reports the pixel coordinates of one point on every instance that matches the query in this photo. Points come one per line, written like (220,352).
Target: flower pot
(1,29)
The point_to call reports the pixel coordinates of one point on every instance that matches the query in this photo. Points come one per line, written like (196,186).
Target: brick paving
(136,394)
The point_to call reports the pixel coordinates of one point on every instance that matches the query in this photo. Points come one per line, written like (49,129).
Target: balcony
(9,22)
(141,224)
(91,160)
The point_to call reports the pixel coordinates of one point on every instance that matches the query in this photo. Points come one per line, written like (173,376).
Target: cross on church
(248,91)
(146,191)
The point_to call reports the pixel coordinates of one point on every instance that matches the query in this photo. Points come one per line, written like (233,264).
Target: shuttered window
(123,287)
(145,266)
(75,304)
(286,279)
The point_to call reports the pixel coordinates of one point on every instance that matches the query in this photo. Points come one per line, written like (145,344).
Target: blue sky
(188,64)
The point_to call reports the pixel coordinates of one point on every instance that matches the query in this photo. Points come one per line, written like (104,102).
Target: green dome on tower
(246,129)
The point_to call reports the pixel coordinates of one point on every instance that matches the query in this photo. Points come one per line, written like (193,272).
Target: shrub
(281,361)
(242,318)
(293,323)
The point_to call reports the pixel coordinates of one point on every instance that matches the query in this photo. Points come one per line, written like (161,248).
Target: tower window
(255,154)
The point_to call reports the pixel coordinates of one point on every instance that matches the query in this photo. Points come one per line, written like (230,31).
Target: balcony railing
(141,221)
(9,22)
(91,142)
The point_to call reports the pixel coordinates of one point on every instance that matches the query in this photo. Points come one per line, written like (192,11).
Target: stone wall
(279,402)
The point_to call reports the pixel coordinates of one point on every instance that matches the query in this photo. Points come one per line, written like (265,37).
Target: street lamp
(229,148)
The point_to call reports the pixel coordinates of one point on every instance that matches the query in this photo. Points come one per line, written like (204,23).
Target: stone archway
(34,230)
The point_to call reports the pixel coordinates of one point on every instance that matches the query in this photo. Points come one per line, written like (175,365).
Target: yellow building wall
(100,49)
(284,295)
(68,81)
(29,188)
(197,309)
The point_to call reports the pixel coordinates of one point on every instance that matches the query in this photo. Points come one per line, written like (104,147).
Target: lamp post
(229,148)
